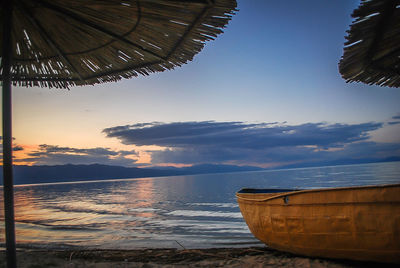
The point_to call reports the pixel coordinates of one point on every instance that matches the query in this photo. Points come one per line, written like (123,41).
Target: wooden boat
(358,223)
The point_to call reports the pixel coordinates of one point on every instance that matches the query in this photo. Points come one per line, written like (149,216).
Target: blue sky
(277,62)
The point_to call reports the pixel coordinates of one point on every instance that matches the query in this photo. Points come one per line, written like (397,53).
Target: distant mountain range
(339,162)
(64,173)
(71,173)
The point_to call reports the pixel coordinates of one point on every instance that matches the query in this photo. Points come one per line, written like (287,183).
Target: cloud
(240,135)
(242,143)
(277,155)
(262,144)
(1,138)
(45,149)
(18,148)
(15,148)
(396,117)
(56,155)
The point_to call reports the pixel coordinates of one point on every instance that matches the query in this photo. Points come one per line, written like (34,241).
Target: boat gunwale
(296,192)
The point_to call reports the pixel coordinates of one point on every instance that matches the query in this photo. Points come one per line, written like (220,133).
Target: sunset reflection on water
(115,214)
(193,211)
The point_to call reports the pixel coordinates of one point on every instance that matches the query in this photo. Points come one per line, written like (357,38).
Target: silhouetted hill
(339,162)
(70,173)
(62,173)
(209,168)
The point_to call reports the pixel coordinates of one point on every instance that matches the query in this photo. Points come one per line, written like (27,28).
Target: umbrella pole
(7,136)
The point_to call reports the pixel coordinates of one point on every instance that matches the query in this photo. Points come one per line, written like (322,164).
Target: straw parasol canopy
(58,43)
(372,51)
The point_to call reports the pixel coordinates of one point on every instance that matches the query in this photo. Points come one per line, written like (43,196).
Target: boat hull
(358,223)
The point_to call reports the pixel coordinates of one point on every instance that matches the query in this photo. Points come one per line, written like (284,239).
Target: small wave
(83,210)
(48,246)
(75,228)
(204,213)
(200,226)
(248,243)
(99,211)
(49,226)
(336,173)
(219,205)
(143,209)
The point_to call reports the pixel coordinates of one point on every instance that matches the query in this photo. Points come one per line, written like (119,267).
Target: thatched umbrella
(372,51)
(58,43)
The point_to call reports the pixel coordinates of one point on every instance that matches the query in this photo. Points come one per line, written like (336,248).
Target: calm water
(190,211)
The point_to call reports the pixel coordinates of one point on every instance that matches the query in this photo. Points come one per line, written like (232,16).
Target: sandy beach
(217,257)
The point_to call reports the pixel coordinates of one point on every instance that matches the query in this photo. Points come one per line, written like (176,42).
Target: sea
(197,211)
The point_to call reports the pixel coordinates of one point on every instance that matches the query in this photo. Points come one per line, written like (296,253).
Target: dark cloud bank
(396,119)
(56,155)
(230,143)
(228,146)
(257,144)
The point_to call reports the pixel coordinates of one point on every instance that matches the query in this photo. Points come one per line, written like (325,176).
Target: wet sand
(217,257)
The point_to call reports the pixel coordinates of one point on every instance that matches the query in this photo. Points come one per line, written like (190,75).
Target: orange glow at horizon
(20,156)
(140,154)
(142,157)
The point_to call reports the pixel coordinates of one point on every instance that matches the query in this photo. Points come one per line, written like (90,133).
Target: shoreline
(164,257)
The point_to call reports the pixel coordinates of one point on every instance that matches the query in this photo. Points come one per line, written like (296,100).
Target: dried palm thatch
(58,43)
(372,51)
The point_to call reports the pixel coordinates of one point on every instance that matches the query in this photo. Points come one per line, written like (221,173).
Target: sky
(267,92)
